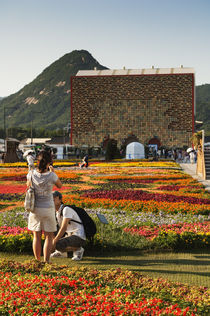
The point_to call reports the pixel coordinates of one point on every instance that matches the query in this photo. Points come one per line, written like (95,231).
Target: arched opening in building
(155,141)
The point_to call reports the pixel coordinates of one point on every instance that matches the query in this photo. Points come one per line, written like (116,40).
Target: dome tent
(135,150)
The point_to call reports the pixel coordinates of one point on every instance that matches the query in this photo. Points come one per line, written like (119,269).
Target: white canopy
(135,150)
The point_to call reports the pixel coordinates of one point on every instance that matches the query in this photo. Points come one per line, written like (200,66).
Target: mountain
(203,106)
(46,100)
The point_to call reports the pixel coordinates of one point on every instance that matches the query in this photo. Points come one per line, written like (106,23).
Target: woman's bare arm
(58,183)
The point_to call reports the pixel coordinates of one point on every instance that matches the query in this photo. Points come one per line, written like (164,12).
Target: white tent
(135,151)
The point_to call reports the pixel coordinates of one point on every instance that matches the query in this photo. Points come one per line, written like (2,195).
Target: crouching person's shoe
(57,254)
(78,254)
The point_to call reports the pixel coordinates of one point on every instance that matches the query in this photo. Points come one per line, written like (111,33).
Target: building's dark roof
(13,140)
(59,140)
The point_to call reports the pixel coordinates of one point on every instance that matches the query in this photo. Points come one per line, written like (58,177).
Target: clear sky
(130,33)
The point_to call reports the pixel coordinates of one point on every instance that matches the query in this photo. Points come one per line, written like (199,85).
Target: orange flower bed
(66,174)
(9,173)
(164,177)
(135,206)
(12,206)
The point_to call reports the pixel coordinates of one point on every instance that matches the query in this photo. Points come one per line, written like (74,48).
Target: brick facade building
(148,103)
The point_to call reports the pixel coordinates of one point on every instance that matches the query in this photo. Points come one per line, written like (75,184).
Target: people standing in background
(195,158)
(192,157)
(174,154)
(186,157)
(179,156)
(30,157)
(77,153)
(183,155)
(43,219)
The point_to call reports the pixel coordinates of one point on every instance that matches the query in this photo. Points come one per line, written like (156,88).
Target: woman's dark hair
(44,158)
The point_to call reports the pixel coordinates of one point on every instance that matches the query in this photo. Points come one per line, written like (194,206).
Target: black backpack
(87,222)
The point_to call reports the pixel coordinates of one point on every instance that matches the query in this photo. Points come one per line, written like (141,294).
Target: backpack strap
(71,220)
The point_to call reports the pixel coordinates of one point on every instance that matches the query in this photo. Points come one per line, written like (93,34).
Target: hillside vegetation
(203,106)
(48,94)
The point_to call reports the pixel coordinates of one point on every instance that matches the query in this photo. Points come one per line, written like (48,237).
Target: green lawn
(190,268)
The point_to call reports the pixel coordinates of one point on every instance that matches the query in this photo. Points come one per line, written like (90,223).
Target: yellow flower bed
(151,164)
(64,164)
(13,165)
(25,165)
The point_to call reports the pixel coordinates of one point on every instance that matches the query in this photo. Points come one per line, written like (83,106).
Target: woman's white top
(43,184)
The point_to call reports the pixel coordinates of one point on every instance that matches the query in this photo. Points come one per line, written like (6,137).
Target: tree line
(21,133)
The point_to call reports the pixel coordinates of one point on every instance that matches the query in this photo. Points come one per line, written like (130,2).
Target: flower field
(154,201)
(149,206)
(34,289)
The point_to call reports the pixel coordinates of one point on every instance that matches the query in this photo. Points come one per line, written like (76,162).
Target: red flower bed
(5,230)
(10,188)
(145,231)
(135,180)
(176,187)
(5,188)
(45,295)
(14,178)
(139,195)
(169,187)
(151,232)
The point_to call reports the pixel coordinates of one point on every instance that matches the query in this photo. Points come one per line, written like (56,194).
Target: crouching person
(71,226)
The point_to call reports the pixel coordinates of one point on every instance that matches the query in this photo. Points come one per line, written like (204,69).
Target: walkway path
(191,170)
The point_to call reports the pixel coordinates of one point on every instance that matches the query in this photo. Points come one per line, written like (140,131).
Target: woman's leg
(48,243)
(37,244)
